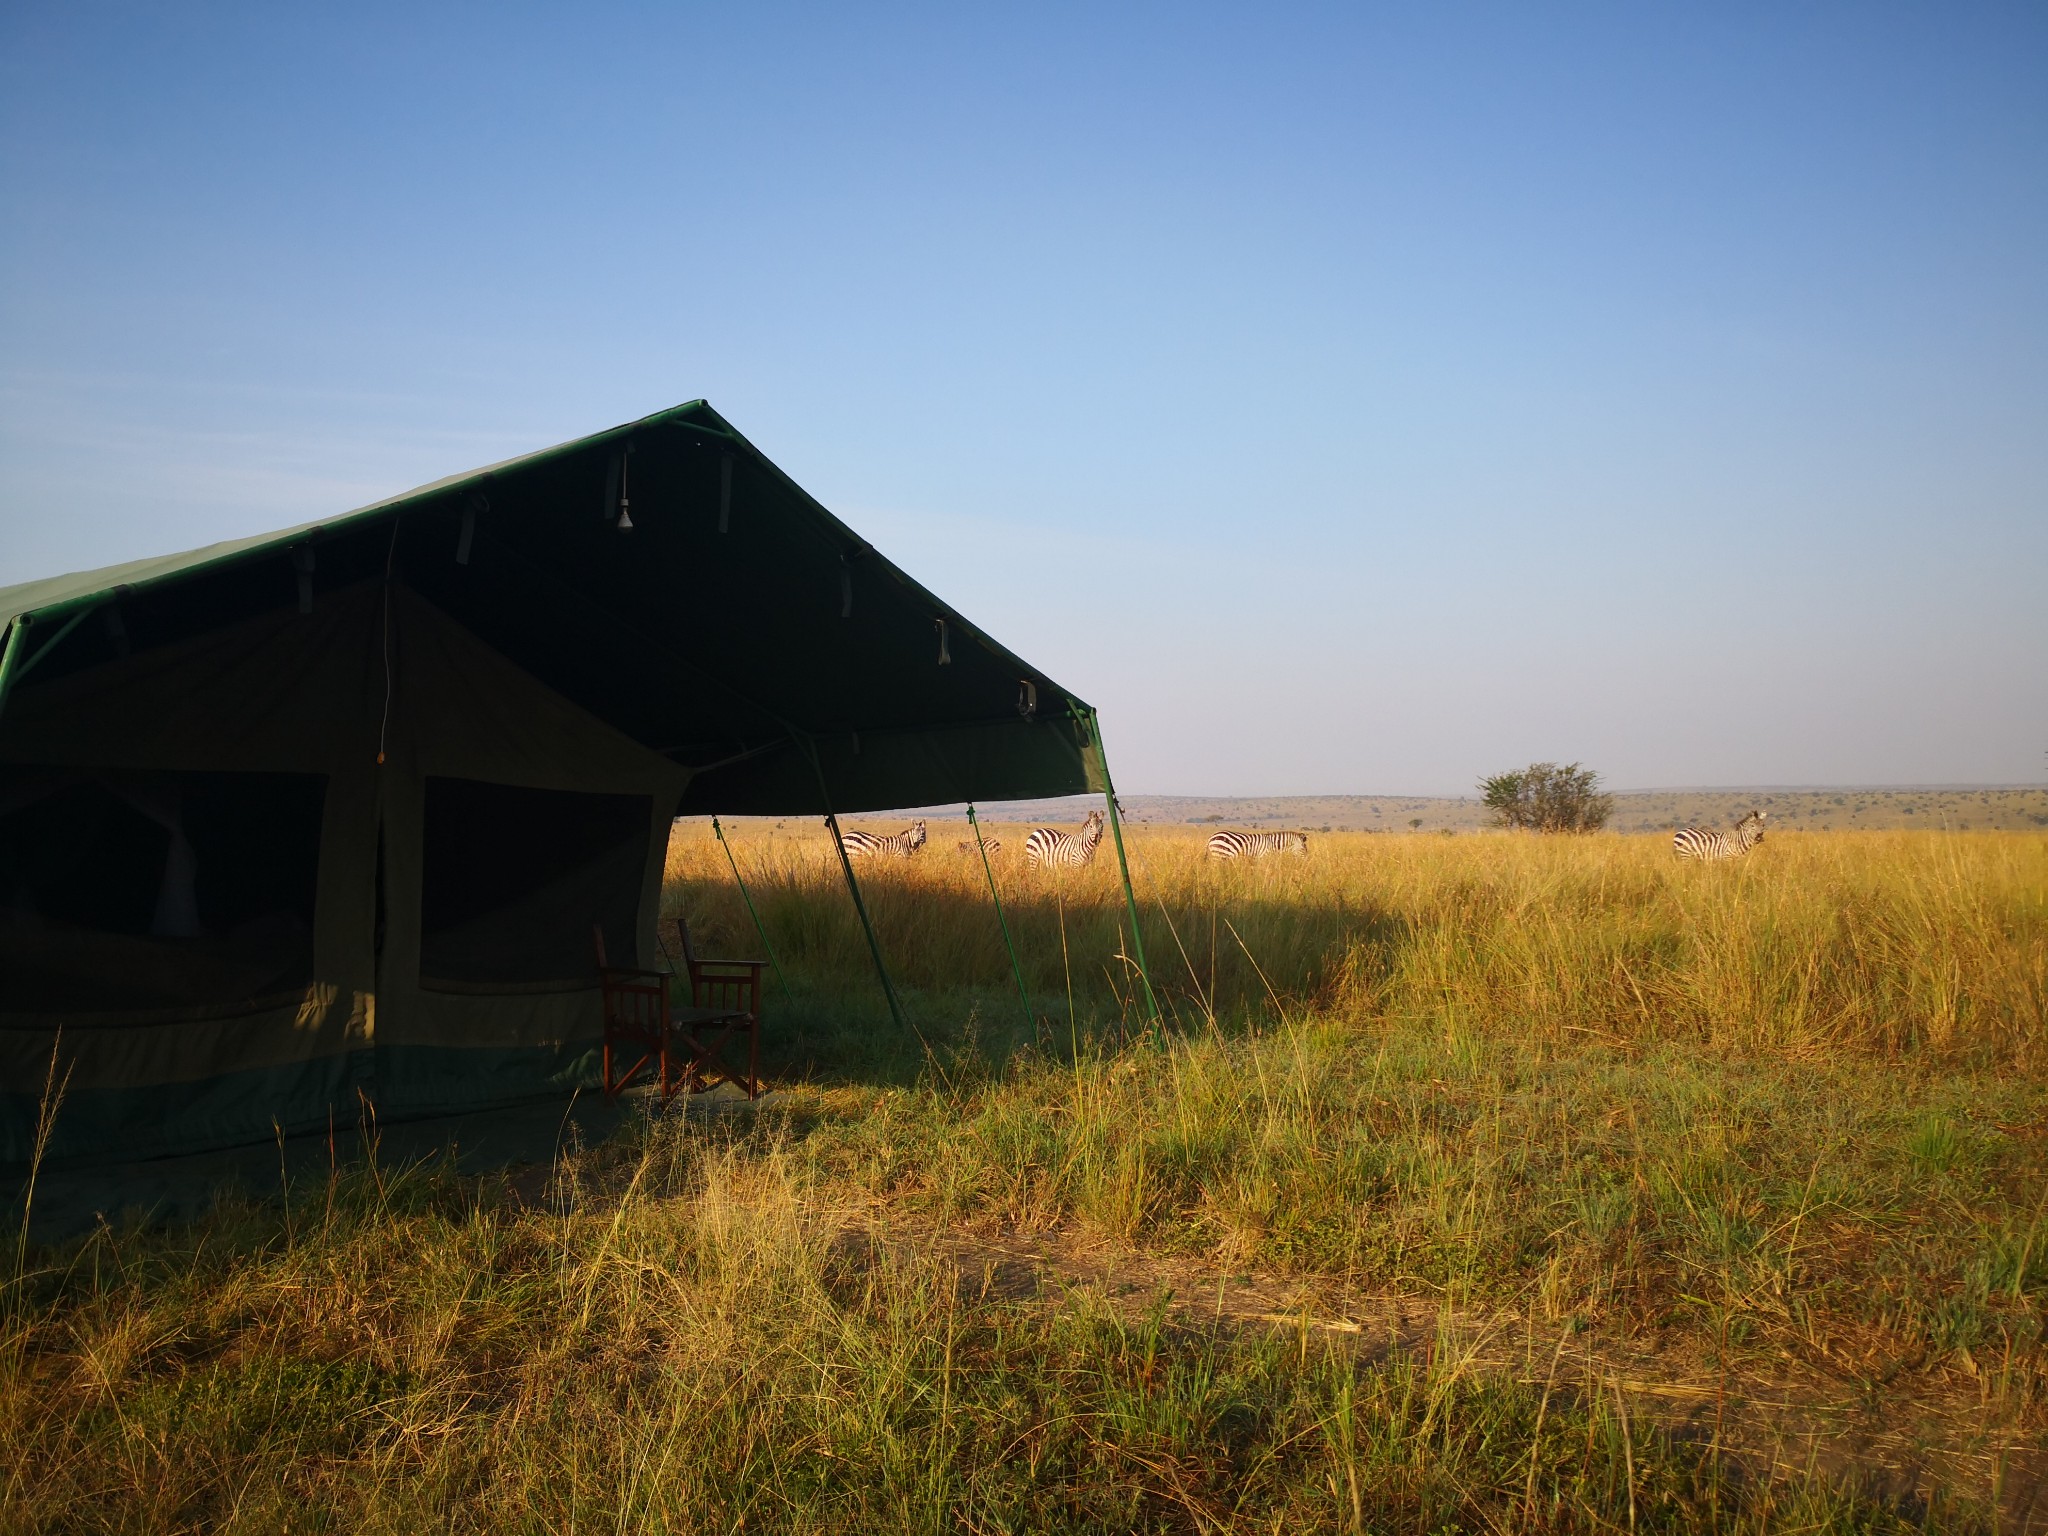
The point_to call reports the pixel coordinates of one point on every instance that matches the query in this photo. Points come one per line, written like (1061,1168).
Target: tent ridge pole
(1116,827)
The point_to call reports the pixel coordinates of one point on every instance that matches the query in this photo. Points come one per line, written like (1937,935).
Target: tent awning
(736,627)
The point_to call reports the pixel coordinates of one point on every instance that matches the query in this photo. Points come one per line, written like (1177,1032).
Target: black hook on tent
(945,651)
(302,562)
(117,628)
(478,502)
(1027,698)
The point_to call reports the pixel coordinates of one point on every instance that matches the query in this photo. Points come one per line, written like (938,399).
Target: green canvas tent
(331,812)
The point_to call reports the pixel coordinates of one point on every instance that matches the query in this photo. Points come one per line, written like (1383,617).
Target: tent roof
(738,628)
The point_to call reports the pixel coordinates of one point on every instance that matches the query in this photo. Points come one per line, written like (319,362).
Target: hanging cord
(782,980)
(1016,968)
(390,559)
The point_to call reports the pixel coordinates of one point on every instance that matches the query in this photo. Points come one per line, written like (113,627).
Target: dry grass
(1774,1121)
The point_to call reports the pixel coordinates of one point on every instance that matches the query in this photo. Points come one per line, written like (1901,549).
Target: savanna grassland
(1476,1183)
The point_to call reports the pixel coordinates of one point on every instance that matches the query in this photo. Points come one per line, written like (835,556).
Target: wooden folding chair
(725,1002)
(636,1022)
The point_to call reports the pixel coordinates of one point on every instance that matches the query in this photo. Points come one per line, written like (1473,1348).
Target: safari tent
(328,815)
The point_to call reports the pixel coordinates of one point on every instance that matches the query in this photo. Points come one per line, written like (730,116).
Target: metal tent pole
(1116,827)
(860,907)
(781,979)
(1016,968)
(866,927)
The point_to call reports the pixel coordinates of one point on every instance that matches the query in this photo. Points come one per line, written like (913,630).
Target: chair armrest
(631,973)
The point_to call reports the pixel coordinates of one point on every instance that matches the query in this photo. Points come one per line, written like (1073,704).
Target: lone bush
(1544,797)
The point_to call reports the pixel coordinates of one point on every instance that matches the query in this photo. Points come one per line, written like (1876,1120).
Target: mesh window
(515,878)
(155,890)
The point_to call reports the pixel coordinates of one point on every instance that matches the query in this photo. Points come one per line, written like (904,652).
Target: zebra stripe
(866,845)
(993,844)
(1705,843)
(1256,845)
(1064,850)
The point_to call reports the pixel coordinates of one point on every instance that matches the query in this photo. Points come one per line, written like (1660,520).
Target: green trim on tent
(725,651)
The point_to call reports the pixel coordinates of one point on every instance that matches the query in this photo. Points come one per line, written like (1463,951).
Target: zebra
(865,845)
(993,844)
(1256,845)
(1064,850)
(1705,843)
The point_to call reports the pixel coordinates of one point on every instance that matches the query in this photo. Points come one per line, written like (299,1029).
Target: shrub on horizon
(1545,797)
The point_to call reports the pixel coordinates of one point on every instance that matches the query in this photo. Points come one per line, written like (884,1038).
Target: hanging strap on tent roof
(1092,724)
(781,979)
(1016,969)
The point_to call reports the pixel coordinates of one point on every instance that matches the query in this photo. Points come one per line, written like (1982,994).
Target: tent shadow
(826,1024)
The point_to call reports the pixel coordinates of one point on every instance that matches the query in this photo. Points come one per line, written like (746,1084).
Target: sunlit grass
(1783,1117)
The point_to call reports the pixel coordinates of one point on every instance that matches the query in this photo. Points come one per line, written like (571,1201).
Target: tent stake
(781,979)
(1016,969)
(1116,827)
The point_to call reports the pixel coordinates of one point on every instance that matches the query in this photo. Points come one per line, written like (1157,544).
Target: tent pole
(1016,968)
(763,932)
(15,632)
(1116,827)
(860,907)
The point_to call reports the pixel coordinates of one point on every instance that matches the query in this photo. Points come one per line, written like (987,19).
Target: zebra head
(914,838)
(1750,830)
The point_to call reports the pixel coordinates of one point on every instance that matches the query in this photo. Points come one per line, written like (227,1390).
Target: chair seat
(684,1045)
(707,1015)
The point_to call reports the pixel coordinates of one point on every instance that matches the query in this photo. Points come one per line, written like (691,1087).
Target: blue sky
(1345,400)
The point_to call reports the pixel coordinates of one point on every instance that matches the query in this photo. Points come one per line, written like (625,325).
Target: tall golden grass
(1784,1118)
(1797,1096)
(682,1338)
(1891,945)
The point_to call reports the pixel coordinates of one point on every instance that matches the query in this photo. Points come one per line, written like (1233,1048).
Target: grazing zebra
(1705,843)
(993,844)
(865,845)
(1256,845)
(1064,850)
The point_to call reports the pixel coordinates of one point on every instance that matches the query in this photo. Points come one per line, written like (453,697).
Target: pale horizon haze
(1343,399)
